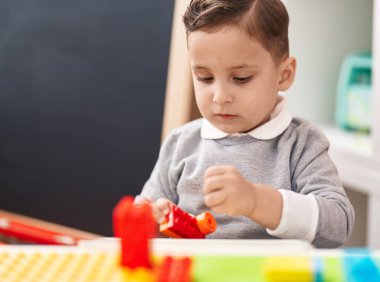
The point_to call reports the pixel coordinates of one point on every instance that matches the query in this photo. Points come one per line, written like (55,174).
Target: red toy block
(180,224)
(135,225)
(175,270)
(119,214)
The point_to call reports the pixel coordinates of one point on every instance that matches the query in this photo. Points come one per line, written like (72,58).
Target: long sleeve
(316,174)
(162,182)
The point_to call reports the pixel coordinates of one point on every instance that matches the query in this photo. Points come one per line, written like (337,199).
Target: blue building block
(360,267)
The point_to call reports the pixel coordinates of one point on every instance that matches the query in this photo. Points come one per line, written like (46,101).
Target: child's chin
(228,129)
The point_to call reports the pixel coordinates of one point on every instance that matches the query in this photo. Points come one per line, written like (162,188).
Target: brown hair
(264,20)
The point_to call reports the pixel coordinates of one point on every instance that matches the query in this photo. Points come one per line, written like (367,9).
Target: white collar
(279,121)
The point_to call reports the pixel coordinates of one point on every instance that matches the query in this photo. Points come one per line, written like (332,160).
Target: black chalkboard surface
(82,86)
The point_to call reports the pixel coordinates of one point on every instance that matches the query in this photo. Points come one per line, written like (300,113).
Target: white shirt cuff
(299,218)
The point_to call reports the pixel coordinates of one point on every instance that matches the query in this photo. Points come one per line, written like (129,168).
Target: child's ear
(287,73)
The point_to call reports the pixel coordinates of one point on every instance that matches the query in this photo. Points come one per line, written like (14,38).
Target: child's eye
(205,79)
(242,79)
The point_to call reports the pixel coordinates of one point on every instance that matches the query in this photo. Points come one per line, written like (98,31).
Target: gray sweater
(296,160)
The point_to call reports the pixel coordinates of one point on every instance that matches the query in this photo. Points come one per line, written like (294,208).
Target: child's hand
(160,208)
(227,191)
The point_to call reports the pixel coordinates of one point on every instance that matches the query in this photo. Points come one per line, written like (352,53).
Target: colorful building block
(359,266)
(135,225)
(180,224)
(60,264)
(175,270)
(289,269)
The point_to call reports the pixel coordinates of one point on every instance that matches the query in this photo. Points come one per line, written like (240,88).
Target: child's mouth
(226,116)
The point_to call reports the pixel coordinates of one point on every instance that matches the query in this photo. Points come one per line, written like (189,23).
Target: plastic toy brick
(73,264)
(360,266)
(135,225)
(175,270)
(363,269)
(119,214)
(63,265)
(88,264)
(289,269)
(180,224)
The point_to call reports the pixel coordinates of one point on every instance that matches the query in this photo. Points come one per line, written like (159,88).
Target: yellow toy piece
(69,264)
(139,274)
(288,269)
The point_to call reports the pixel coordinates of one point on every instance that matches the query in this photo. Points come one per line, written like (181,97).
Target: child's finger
(164,205)
(160,209)
(216,170)
(220,209)
(213,183)
(159,217)
(215,199)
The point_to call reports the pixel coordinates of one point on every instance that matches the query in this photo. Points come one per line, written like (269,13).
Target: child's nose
(221,96)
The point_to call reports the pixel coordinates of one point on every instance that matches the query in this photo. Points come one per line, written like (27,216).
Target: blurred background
(89,88)
(333,42)
(82,87)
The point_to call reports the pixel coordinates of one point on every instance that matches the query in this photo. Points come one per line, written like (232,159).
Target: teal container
(354,93)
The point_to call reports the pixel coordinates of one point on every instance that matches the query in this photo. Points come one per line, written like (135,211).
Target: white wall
(321,34)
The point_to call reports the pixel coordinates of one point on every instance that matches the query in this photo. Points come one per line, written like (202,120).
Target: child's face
(235,79)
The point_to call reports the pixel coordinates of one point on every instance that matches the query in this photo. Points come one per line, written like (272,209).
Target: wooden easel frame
(180,104)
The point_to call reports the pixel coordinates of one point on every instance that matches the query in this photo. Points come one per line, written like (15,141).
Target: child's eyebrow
(244,66)
(199,67)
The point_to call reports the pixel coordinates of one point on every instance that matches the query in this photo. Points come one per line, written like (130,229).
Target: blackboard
(82,86)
